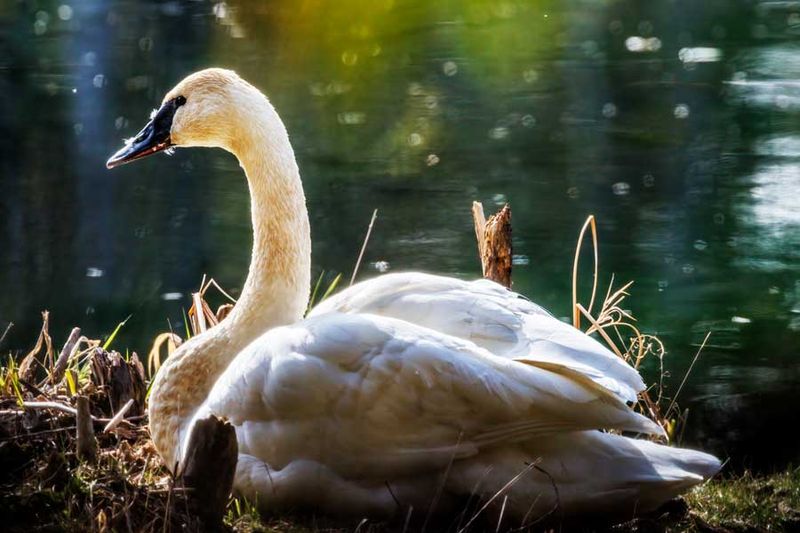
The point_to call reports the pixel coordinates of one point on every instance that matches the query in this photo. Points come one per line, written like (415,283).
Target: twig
(65,355)
(114,422)
(364,246)
(51,405)
(65,409)
(86,445)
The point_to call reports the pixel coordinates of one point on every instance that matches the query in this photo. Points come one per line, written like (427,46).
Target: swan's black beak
(154,137)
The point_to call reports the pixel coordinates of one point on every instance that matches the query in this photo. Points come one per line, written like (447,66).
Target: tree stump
(209,468)
(494,243)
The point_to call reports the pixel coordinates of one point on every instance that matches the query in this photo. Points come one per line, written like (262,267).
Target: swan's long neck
(277,286)
(278,281)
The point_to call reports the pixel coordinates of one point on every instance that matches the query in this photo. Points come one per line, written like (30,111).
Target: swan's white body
(362,414)
(405,390)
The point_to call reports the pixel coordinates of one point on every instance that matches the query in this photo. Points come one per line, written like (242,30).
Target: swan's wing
(491,316)
(364,392)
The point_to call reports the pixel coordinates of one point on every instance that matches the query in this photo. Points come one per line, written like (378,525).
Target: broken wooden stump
(208,469)
(494,243)
(124,380)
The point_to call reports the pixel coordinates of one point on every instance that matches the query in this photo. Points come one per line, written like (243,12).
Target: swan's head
(202,110)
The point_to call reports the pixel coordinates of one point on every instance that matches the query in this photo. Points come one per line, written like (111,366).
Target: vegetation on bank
(46,486)
(75,454)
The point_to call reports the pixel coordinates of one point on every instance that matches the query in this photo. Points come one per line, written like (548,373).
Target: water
(674,122)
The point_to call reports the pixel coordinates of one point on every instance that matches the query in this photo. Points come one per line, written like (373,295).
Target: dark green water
(675,122)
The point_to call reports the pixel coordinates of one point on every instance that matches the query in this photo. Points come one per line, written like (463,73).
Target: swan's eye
(180,100)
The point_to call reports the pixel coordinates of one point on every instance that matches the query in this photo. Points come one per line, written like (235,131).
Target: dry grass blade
(590,223)
(364,246)
(198,319)
(504,488)
(27,368)
(223,311)
(691,366)
(206,284)
(3,336)
(599,329)
(172,342)
(201,316)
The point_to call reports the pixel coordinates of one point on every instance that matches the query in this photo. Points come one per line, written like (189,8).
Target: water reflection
(673,122)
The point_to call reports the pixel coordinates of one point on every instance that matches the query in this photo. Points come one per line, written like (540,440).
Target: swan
(407,391)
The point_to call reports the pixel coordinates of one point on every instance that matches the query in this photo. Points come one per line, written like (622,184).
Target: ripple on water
(767,77)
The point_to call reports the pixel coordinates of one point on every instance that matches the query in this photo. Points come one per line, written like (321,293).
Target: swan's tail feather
(586,473)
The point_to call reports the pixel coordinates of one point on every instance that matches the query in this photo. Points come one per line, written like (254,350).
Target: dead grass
(43,484)
(617,327)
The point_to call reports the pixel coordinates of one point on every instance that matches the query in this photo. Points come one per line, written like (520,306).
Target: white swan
(405,390)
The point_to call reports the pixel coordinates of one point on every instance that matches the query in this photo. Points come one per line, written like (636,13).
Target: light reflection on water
(674,123)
